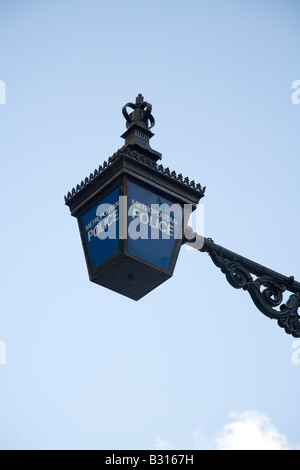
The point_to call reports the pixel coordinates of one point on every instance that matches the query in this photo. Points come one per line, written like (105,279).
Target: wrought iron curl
(273,291)
(235,274)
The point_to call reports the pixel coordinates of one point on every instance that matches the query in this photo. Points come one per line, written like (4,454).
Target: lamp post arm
(266,287)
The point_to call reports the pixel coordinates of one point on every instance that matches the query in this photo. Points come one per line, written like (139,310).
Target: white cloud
(162,444)
(251,431)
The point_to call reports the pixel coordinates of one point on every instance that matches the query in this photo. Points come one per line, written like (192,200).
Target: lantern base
(130,277)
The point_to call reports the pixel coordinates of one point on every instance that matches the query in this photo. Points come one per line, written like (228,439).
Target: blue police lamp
(132,212)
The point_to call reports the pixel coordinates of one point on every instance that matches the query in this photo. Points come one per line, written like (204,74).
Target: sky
(194,364)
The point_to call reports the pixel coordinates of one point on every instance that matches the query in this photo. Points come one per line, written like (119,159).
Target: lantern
(132,212)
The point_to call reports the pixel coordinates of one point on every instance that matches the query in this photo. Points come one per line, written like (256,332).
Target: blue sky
(86,368)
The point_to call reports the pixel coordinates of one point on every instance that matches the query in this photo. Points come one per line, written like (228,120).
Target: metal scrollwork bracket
(266,287)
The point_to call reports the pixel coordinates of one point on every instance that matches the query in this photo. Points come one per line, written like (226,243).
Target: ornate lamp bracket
(266,287)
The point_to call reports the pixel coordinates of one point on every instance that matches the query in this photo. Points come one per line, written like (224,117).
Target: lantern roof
(137,157)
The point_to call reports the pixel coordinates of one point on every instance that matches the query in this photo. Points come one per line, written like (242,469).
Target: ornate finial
(138,123)
(141,114)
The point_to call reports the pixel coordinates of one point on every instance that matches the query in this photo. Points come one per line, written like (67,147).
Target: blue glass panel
(101,228)
(152,228)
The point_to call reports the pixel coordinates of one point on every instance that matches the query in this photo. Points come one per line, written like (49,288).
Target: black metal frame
(127,169)
(135,161)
